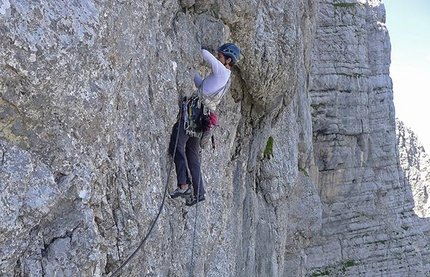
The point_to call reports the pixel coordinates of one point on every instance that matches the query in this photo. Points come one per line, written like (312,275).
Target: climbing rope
(142,242)
(195,219)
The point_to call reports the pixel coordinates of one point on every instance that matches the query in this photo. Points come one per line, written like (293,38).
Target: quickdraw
(192,108)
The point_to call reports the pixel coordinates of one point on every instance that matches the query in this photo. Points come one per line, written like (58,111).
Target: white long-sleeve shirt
(214,82)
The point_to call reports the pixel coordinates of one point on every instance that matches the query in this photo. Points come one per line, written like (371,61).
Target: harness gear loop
(192,116)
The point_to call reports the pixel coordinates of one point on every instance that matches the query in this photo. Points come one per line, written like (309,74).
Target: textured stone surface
(305,180)
(415,163)
(369,227)
(89,93)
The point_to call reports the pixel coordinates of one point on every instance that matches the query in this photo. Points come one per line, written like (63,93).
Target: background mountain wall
(305,179)
(415,163)
(369,227)
(90,92)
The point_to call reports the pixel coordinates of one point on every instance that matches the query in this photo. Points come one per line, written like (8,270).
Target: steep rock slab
(369,227)
(89,93)
(415,163)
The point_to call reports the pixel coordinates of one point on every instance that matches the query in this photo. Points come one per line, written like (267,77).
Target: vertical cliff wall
(369,227)
(305,180)
(415,163)
(89,92)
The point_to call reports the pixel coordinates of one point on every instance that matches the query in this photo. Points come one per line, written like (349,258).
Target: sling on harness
(211,100)
(200,119)
(210,119)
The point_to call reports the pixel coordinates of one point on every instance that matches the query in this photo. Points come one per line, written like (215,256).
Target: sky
(408,24)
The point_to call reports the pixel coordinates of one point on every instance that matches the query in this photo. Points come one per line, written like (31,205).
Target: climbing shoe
(180,192)
(193,200)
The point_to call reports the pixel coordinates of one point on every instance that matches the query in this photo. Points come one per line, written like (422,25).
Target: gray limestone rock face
(415,163)
(89,93)
(305,179)
(369,227)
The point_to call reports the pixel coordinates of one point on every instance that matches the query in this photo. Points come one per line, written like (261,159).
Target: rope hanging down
(195,220)
(142,242)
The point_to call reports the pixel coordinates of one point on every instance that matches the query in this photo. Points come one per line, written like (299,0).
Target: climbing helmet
(230,50)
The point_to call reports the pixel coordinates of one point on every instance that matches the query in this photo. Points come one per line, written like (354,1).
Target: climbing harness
(142,242)
(192,116)
(211,100)
(200,119)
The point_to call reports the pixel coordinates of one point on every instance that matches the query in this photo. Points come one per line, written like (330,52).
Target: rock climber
(197,121)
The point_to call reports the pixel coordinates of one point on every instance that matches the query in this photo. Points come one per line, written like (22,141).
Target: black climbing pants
(187,158)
